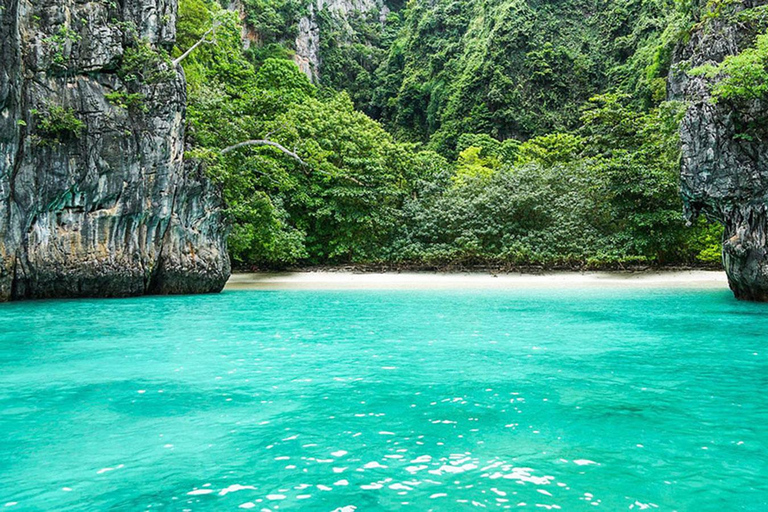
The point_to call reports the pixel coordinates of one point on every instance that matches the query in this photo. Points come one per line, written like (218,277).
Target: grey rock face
(724,174)
(104,206)
(307,55)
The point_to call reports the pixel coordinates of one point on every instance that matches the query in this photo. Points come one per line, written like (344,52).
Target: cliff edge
(725,147)
(95,198)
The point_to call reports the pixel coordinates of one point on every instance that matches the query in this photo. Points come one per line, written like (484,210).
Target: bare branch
(264,142)
(353,180)
(198,43)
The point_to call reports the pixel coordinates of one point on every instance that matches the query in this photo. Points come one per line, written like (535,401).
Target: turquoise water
(305,400)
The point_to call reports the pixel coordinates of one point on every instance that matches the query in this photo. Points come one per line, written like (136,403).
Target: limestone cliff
(308,53)
(95,198)
(724,168)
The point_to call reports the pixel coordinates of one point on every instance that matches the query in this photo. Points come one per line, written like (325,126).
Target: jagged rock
(107,208)
(724,174)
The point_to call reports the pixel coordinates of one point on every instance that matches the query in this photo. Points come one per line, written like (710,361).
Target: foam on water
(320,400)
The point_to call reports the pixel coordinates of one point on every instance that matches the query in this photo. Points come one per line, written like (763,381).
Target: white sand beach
(348,280)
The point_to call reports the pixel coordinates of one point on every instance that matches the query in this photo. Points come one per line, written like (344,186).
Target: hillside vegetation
(479,132)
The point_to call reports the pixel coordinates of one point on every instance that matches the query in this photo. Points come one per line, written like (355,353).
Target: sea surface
(612,399)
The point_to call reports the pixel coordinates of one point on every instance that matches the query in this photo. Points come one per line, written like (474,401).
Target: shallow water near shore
(571,399)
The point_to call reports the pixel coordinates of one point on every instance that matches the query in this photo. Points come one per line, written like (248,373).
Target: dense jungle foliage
(488,132)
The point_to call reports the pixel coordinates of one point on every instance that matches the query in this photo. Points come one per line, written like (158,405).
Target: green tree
(741,77)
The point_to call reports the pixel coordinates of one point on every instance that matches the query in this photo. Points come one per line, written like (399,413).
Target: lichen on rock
(95,197)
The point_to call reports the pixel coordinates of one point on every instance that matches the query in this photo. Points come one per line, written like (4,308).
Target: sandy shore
(324,280)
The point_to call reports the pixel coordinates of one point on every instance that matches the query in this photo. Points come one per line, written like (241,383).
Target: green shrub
(59,45)
(143,64)
(130,101)
(551,149)
(57,124)
(740,77)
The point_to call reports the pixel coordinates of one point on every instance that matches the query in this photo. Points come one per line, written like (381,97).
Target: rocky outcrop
(95,198)
(307,55)
(725,168)
(248,34)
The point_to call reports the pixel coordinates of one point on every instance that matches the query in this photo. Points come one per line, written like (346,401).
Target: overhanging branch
(198,43)
(267,142)
(264,142)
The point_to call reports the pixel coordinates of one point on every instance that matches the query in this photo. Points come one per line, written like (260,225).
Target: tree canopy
(497,133)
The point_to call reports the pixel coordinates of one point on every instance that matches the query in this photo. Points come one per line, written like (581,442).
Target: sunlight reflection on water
(439,400)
